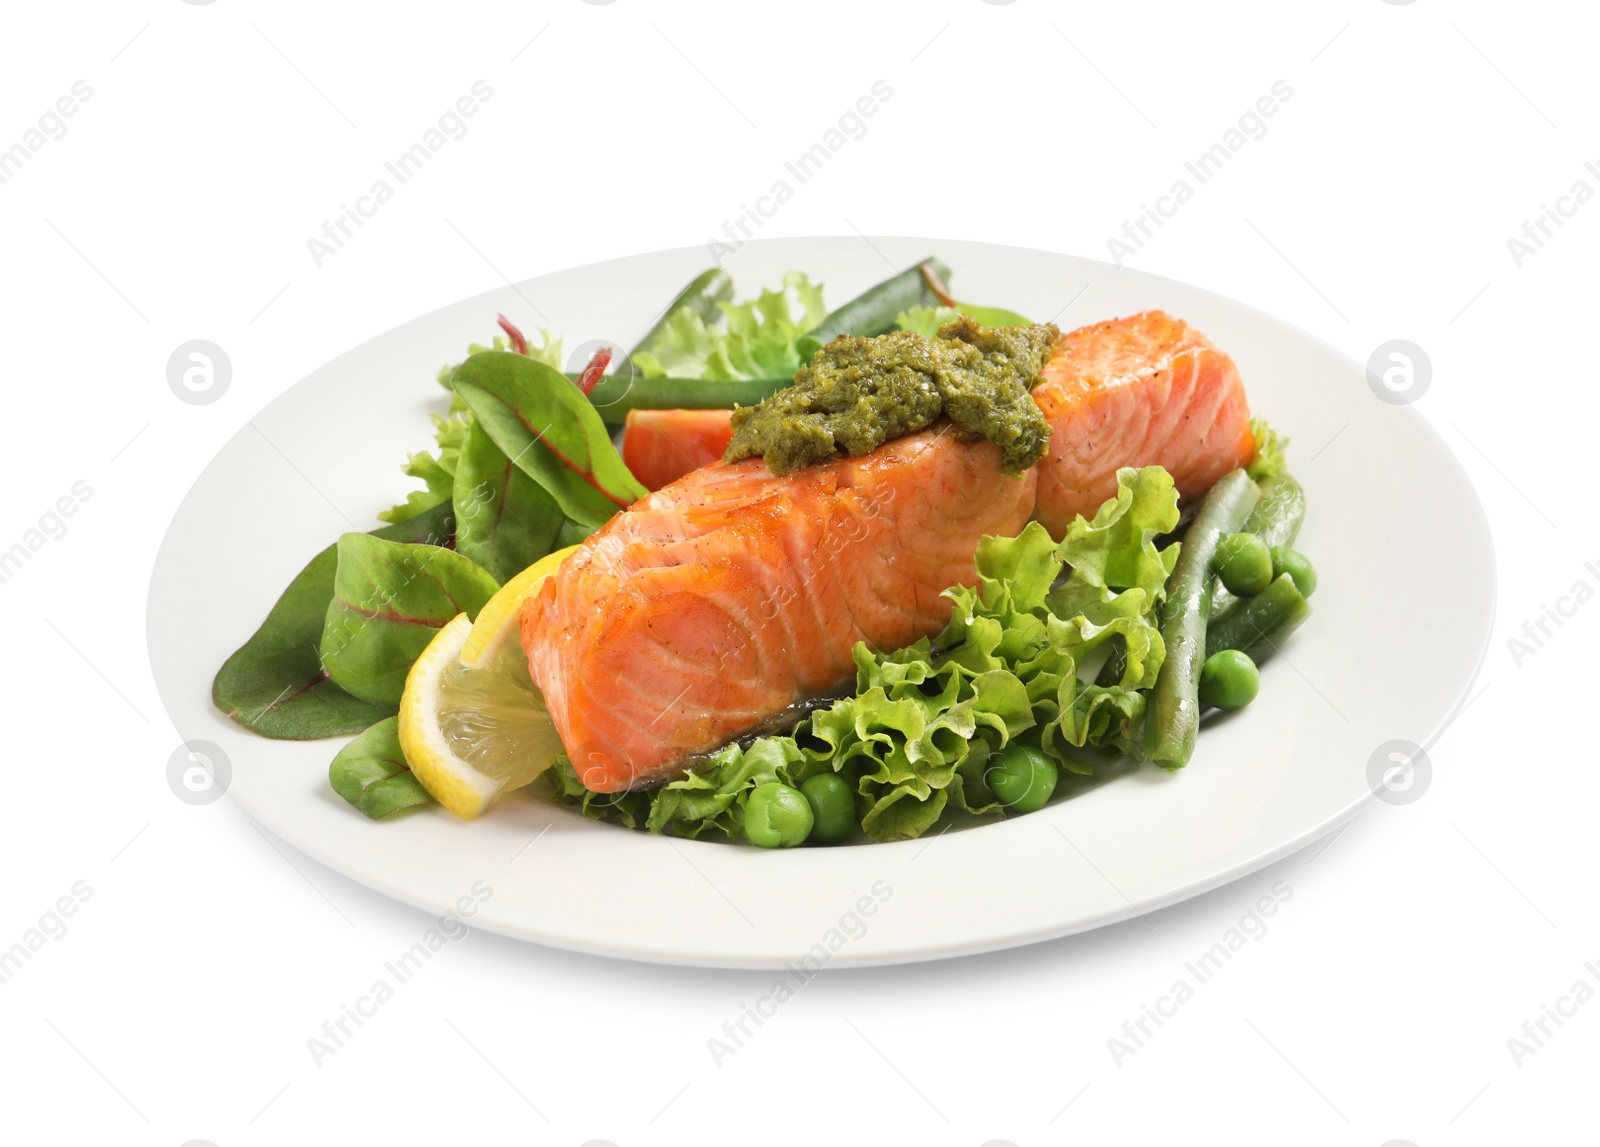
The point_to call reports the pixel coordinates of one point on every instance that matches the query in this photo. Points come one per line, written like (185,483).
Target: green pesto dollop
(857,394)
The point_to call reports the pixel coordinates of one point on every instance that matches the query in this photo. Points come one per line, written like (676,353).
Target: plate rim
(687,954)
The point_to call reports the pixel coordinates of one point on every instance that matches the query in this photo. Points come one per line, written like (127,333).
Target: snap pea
(1262,622)
(1173,715)
(873,311)
(704,292)
(1275,520)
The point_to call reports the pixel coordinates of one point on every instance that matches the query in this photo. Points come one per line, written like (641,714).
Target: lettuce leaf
(1117,547)
(915,738)
(755,339)
(437,471)
(926,321)
(1268,460)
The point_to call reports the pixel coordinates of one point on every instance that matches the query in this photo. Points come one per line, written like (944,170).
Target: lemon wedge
(501,616)
(473,726)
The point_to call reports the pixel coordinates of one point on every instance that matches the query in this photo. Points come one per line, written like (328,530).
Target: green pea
(1022,777)
(777,816)
(1297,566)
(833,807)
(1228,680)
(1244,564)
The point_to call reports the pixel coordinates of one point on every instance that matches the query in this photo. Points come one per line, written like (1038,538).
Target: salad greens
(389,600)
(758,339)
(505,521)
(450,432)
(371,772)
(1014,664)
(275,684)
(548,428)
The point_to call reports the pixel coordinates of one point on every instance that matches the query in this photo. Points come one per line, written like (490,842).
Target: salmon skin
(1148,390)
(731,594)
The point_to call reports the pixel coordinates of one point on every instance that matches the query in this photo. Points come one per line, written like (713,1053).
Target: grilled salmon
(1147,390)
(661,446)
(725,597)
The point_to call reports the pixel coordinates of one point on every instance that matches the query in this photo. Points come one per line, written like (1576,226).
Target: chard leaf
(505,521)
(389,599)
(275,685)
(371,772)
(546,426)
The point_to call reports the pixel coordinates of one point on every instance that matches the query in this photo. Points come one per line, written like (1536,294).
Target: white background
(177,206)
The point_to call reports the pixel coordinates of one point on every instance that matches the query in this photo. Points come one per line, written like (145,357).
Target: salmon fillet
(1147,390)
(661,446)
(718,601)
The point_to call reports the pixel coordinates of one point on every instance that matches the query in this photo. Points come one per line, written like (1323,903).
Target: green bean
(704,292)
(1173,715)
(1277,517)
(614,395)
(1261,623)
(873,311)
(1275,520)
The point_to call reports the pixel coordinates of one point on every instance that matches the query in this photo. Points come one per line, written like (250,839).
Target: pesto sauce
(858,393)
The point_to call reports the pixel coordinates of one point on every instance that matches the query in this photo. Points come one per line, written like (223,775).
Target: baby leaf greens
(916,738)
(389,599)
(758,339)
(545,425)
(275,683)
(505,521)
(371,772)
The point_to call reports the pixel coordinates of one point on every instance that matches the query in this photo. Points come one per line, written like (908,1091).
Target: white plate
(1402,621)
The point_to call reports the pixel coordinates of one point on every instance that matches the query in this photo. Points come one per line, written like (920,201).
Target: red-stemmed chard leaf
(389,600)
(545,425)
(275,685)
(597,367)
(518,340)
